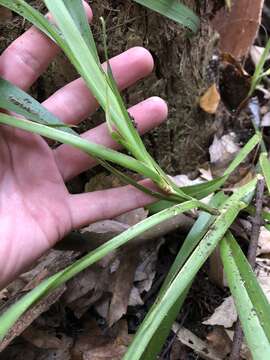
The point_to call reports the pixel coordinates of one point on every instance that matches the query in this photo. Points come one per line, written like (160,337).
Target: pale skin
(36,209)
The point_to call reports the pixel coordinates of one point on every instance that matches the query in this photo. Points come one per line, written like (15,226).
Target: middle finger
(74,102)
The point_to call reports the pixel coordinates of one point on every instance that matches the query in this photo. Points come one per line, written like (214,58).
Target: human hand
(36,210)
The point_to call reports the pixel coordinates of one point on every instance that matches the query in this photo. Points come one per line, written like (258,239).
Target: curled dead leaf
(210,100)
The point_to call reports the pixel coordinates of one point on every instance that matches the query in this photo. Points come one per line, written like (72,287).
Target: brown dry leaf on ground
(210,100)
(225,315)
(95,345)
(109,284)
(133,217)
(47,265)
(222,151)
(220,341)
(238,27)
(31,315)
(99,232)
(86,289)
(122,283)
(146,270)
(264,241)
(202,348)
(46,338)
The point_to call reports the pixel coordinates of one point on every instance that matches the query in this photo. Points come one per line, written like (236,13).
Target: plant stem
(259,69)
(95,150)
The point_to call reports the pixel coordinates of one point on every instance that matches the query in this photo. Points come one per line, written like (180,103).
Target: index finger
(29,56)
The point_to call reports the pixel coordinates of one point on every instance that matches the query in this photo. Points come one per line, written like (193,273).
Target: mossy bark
(181,61)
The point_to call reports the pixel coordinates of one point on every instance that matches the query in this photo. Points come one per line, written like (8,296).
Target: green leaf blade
(265,166)
(181,282)
(250,301)
(174,11)
(16,100)
(76,10)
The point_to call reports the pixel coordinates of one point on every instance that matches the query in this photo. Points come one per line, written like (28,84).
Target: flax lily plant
(74,36)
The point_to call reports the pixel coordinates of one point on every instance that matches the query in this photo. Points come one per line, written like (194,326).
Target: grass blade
(265,166)
(196,233)
(93,75)
(8,318)
(251,284)
(92,149)
(174,11)
(202,190)
(16,100)
(251,303)
(259,69)
(178,286)
(76,10)
(193,238)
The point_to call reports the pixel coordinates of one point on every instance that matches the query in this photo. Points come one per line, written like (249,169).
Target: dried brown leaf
(44,339)
(133,217)
(264,241)
(32,314)
(225,315)
(122,283)
(201,347)
(210,100)
(220,341)
(238,27)
(95,346)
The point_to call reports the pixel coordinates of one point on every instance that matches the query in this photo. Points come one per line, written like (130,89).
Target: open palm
(36,210)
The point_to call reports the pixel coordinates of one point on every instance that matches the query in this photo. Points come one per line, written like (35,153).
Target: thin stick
(256,224)
(252,250)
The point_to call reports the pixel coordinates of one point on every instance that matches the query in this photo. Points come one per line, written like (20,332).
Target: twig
(237,341)
(252,250)
(256,224)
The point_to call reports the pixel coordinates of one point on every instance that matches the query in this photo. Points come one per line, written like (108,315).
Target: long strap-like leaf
(178,286)
(174,10)
(16,100)
(252,305)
